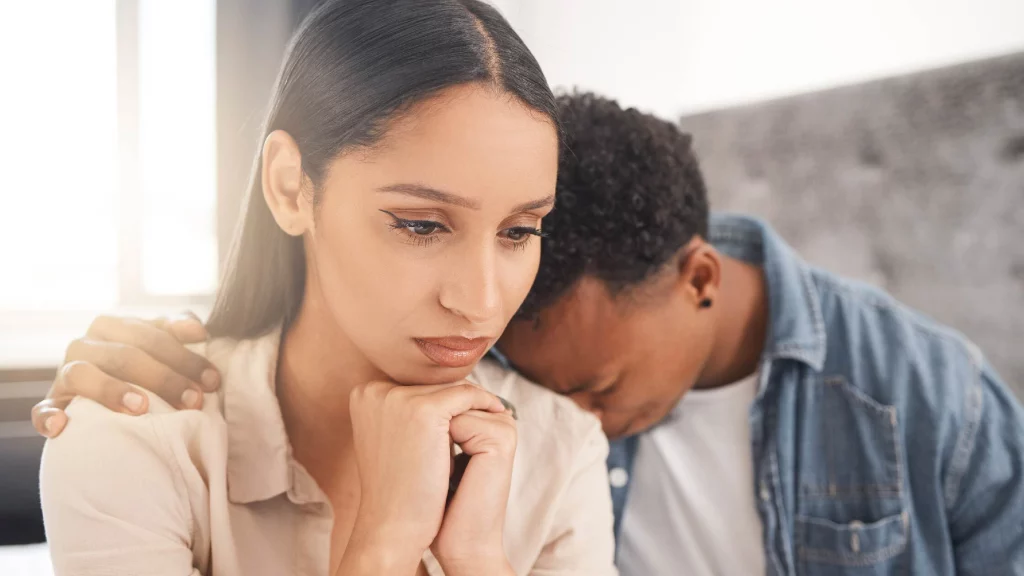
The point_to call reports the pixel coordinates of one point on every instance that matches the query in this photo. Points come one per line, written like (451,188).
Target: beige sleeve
(582,540)
(114,500)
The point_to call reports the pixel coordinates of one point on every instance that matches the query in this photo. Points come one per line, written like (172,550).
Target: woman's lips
(453,351)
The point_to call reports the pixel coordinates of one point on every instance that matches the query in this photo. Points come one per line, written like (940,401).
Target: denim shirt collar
(796,327)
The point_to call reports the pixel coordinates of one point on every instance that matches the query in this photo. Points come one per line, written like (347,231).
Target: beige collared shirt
(217,492)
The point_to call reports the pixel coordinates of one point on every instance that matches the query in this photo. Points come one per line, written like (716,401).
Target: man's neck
(742,327)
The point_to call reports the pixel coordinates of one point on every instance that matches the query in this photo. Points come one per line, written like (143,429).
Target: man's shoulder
(888,349)
(850,305)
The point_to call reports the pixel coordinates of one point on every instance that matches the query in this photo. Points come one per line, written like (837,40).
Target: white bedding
(31,560)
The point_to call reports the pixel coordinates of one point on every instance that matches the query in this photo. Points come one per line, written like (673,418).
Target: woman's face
(424,247)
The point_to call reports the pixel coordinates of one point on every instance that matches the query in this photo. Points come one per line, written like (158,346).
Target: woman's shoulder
(165,440)
(560,512)
(168,437)
(110,479)
(554,421)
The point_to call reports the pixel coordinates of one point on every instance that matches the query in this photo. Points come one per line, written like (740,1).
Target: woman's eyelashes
(426,232)
(517,237)
(420,232)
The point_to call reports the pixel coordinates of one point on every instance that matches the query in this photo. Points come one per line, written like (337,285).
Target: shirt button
(765,495)
(618,477)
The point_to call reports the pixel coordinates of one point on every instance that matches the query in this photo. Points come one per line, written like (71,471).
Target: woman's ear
(700,272)
(284,183)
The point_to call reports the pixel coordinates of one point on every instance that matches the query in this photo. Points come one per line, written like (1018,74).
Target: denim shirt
(882,441)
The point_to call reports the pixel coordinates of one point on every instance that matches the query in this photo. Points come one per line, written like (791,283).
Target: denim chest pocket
(851,517)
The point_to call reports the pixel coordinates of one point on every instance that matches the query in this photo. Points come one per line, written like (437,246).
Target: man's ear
(700,272)
(284,183)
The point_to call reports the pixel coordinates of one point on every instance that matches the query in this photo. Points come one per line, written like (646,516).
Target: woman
(410,154)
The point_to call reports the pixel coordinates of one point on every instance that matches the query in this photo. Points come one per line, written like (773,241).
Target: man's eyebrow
(428,193)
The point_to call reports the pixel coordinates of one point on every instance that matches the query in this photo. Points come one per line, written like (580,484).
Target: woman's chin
(425,374)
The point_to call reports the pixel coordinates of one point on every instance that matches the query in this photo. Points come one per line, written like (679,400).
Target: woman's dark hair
(352,66)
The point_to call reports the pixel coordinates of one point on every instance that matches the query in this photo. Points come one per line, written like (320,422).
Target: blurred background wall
(675,57)
(883,138)
(914,184)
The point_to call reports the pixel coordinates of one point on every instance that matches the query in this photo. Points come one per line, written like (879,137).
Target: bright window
(108,156)
(110,191)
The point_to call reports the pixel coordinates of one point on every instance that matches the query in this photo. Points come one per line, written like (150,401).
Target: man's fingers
(48,417)
(185,327)
(159,344)
(79,378)
(129,364)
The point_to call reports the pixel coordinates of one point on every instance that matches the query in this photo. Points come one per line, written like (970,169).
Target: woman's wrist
(377,560)
(475,564)
(502,568)
(371,551)
(374,562)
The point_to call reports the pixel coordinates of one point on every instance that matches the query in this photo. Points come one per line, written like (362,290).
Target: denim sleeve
(985,481)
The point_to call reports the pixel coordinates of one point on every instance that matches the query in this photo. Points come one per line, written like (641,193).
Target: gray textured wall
(914,183)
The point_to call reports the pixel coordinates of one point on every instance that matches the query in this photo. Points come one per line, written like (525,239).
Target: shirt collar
(260,465)
(796,326)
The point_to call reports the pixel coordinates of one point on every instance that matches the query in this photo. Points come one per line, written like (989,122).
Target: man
(768,417)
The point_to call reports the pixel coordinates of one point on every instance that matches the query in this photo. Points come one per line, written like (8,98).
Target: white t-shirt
(691,507)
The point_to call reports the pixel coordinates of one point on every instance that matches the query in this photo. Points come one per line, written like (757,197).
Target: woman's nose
(472,290)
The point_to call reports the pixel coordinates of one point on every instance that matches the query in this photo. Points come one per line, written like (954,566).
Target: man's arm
(116,355)
(984,483)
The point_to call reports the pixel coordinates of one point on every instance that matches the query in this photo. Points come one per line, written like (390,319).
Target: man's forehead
(571,343)
(584,314)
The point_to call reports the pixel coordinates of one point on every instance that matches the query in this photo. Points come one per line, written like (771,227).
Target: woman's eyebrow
(535,204)
(433,194)
(428,193)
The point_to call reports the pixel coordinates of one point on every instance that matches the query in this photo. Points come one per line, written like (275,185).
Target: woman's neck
(318,366)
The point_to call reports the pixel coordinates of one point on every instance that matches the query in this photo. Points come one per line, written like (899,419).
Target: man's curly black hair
(630,195)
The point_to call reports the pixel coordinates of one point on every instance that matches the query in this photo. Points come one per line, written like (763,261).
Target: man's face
(628,360)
